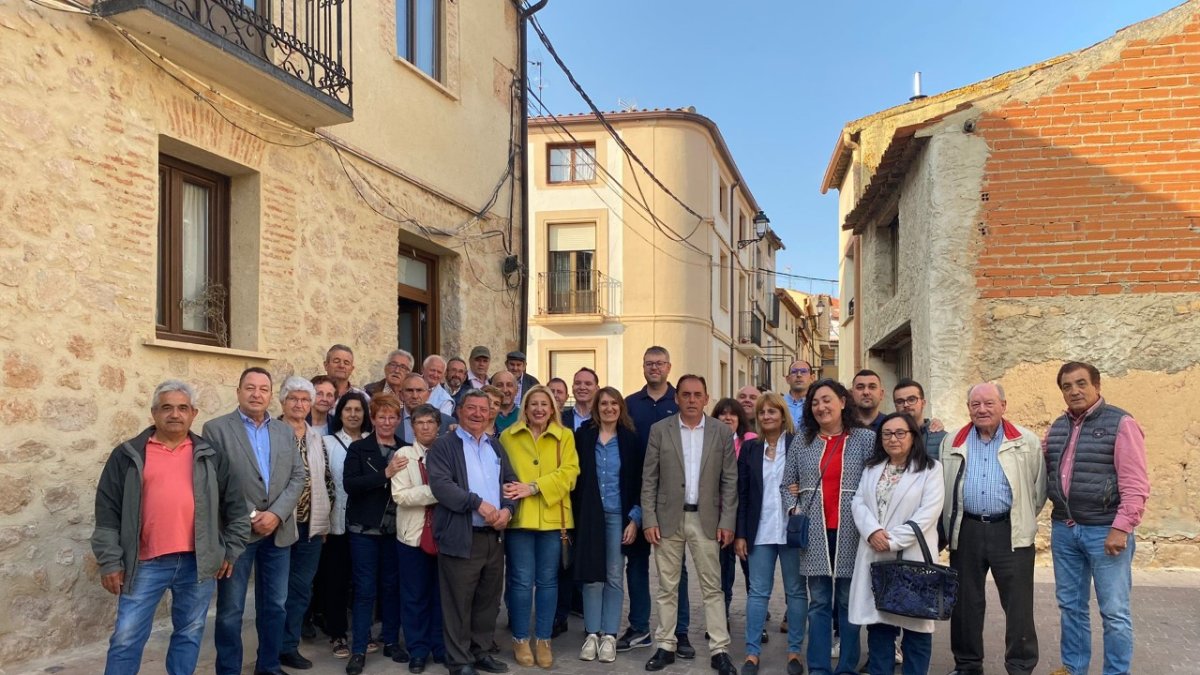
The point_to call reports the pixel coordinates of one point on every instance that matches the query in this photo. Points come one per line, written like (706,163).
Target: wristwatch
(534,489)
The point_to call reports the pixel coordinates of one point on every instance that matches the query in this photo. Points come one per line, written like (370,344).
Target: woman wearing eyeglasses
(900,483)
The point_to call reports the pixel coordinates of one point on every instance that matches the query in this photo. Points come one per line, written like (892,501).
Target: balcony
(291,57)
(750,338)
(582,295)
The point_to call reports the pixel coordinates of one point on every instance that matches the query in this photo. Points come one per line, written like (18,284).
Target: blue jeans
(420,602)
(135,614)
(821,591)
(881,650)
(271,565)
(1079,558)
(306,554)
(533,560)
(602,599)
(374,566)
(762,579)
(637,575)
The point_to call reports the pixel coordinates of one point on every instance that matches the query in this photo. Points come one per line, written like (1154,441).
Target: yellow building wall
(84,118)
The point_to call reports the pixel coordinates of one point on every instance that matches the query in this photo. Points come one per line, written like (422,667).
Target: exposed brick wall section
(1094,188)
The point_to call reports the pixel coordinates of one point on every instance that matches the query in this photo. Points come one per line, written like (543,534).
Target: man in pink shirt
(168,516)
(1097,481)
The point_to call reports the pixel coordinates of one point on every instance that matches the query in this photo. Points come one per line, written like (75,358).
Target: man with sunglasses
(799,377)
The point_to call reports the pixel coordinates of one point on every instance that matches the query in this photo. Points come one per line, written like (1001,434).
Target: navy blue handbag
(921,590)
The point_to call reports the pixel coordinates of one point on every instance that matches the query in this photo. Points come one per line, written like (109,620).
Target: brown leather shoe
(522,653)
(543,653)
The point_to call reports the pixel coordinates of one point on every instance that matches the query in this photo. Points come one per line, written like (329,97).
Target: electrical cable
(604,121)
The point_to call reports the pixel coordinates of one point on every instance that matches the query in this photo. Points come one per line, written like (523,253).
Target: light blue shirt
(578,418)
(608,473)
(483,470)
(260,441)
(986,491)
(796,407)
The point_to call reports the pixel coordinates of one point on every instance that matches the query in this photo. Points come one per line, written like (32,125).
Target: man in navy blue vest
(1097,482)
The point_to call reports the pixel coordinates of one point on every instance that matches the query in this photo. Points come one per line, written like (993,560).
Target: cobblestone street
(1166,625)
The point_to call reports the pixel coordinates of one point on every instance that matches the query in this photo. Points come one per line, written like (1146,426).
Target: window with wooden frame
(572,163)
(193,254)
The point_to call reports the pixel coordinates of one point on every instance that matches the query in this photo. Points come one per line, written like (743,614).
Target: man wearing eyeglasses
(799,378)
(414,392)
(398,366)
(995,478)
(909,397)
(654,402)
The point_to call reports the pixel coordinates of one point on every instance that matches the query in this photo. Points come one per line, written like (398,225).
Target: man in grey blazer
(264,463)
(689,498)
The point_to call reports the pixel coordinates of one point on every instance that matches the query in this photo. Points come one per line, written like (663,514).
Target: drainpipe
(733,314)
(523,48)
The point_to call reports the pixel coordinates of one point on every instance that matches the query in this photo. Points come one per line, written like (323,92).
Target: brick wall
(1094,188)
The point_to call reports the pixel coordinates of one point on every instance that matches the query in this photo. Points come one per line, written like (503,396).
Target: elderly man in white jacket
(900,483)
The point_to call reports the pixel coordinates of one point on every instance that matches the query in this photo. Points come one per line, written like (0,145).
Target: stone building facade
(620,265)
(1048,214)
(366,219)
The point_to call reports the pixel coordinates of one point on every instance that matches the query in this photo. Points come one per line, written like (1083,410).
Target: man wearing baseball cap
(481,358)
(515,363)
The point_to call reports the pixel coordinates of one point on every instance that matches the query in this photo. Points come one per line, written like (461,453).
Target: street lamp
(761,221)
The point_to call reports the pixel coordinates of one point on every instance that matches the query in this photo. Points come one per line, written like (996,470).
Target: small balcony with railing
(580,296)
(750,333)
(291,57)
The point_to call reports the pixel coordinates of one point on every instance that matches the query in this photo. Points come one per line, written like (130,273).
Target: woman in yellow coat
(542,453)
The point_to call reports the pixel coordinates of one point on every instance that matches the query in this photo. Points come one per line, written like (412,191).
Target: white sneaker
(590,646)
(836,652)
(608,649)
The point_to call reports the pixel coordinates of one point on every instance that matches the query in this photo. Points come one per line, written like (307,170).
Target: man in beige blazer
(689,498)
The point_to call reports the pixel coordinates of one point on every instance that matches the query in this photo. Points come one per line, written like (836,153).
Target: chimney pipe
(917,87)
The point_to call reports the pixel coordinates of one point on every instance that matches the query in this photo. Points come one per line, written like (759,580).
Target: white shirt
(772,527)
(441,399)
(693,448)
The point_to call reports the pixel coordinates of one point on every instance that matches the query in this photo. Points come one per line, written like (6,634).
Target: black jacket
(456,503)
(751,489)
(368,489)
(588,506)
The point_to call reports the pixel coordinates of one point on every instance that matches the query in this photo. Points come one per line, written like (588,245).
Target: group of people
(423,500)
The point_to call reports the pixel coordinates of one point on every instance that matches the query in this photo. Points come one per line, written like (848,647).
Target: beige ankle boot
(522,653)
(543,653)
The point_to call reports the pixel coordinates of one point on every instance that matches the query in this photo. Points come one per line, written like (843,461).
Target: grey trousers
(470,589)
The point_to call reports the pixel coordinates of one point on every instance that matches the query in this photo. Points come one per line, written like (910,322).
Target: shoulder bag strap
(920,542)
(562,507)
(818,488)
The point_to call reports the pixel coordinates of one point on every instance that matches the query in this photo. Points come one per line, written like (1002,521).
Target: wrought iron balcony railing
(304,44)
(577,292)
(750,331)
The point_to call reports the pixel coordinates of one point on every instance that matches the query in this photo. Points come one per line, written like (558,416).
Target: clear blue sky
(781,77)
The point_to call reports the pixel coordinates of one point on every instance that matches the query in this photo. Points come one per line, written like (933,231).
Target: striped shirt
(986,491)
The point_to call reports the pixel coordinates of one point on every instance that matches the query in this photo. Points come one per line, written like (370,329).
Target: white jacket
(335,449)
(411,495)
(917,497)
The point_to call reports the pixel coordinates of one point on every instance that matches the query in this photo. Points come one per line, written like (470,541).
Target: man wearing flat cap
(477,367)
(515,363)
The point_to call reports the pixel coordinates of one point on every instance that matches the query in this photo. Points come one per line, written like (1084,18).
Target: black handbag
(566,544)
(921,590)
(797,524)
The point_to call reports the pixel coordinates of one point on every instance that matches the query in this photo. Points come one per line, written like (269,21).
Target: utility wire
(607,125)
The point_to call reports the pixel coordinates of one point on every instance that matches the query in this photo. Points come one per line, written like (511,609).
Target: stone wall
(84,119)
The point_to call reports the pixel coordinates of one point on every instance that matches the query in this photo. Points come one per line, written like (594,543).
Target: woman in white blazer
(899,483)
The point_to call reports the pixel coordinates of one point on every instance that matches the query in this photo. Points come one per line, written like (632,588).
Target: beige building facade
(1046,215)
(176,205)
(618,264)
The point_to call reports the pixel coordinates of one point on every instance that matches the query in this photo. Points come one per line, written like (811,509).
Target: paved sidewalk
(1166,625)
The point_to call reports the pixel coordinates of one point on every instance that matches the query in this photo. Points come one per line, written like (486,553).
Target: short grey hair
(426,410)
(167,386)
(431,357)
(296,383)
(997,385)
(401,352)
